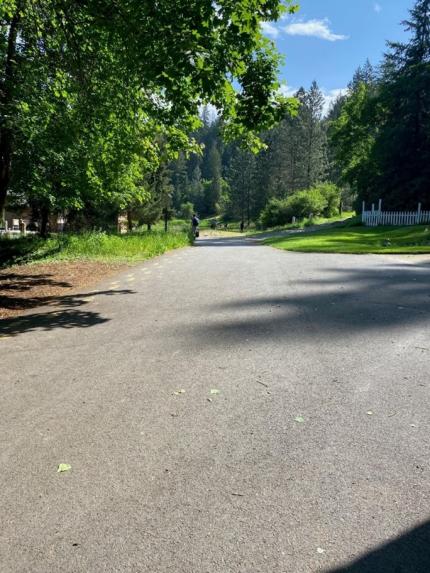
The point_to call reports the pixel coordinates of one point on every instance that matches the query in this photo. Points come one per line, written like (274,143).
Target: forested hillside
(373,144)
(229,180)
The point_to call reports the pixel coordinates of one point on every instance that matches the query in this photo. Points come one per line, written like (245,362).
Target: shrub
(321,200)
(332,195)
(274,213)
(304,203)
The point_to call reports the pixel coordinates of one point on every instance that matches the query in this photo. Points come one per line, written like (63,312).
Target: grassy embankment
(347,216)
(359,240)
(92,246)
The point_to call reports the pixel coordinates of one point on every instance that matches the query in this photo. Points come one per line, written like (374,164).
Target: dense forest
(230,180)
(93,124)
(373,144)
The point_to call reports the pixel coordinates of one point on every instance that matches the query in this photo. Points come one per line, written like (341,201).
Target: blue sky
(327,40)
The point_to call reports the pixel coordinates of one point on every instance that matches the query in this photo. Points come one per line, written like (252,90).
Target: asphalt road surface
(224,408)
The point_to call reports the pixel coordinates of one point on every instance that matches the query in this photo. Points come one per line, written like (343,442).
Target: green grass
(360,240)
(90,246)
(174,226)
(232,226)
(347,216)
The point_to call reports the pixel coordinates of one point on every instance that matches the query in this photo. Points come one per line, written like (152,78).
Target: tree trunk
(149,226)
(166,219)
(6,96)
(44,213)
(129,220)
(242,202)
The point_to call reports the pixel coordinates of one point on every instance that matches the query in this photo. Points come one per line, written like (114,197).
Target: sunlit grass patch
(360,240)
(90,246)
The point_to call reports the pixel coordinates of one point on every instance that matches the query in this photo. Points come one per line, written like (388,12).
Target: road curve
(226,408)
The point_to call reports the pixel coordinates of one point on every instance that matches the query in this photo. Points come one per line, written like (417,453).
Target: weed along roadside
(90,246)
(38,272)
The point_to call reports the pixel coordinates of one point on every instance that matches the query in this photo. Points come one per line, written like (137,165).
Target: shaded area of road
(409,553)
(227,408)
(69,312)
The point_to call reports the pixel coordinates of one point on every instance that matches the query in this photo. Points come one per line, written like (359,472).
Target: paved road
(194,482)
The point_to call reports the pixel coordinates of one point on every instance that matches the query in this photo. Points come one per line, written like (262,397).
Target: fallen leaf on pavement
(64,468)
(320,550)
(299,419)
(370,413)
(179,392)
(214,391)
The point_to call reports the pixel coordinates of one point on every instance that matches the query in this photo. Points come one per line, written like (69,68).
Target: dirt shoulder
(29,286)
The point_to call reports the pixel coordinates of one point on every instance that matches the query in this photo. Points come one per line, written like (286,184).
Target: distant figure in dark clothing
(195,222)
(242,226)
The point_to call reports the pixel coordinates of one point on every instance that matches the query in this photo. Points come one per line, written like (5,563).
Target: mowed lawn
(360,240)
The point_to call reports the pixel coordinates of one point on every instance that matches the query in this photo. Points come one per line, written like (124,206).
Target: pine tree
(402,149)
(180,181)
(365,74)
(195,195)
(241,179)
(316,142)
(214,182)
(334,167)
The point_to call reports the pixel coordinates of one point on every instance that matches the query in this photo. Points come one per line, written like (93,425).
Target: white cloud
(314,28)
(330,96)
(213,113)
(287,91)
(377,7)
(269,29)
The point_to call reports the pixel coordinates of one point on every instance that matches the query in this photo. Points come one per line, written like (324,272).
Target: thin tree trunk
(44,212)
(129,220)
(243,198)
(310,147)
(6,134)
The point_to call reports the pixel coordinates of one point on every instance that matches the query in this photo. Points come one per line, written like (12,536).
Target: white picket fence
(377,217)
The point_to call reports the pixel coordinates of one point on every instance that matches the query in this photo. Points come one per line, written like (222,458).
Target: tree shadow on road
(17,290)
(409,553)
(227,242)
(71,313)
(24,282)
(336,302)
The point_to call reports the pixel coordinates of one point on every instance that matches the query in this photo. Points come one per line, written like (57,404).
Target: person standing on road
(195,224)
